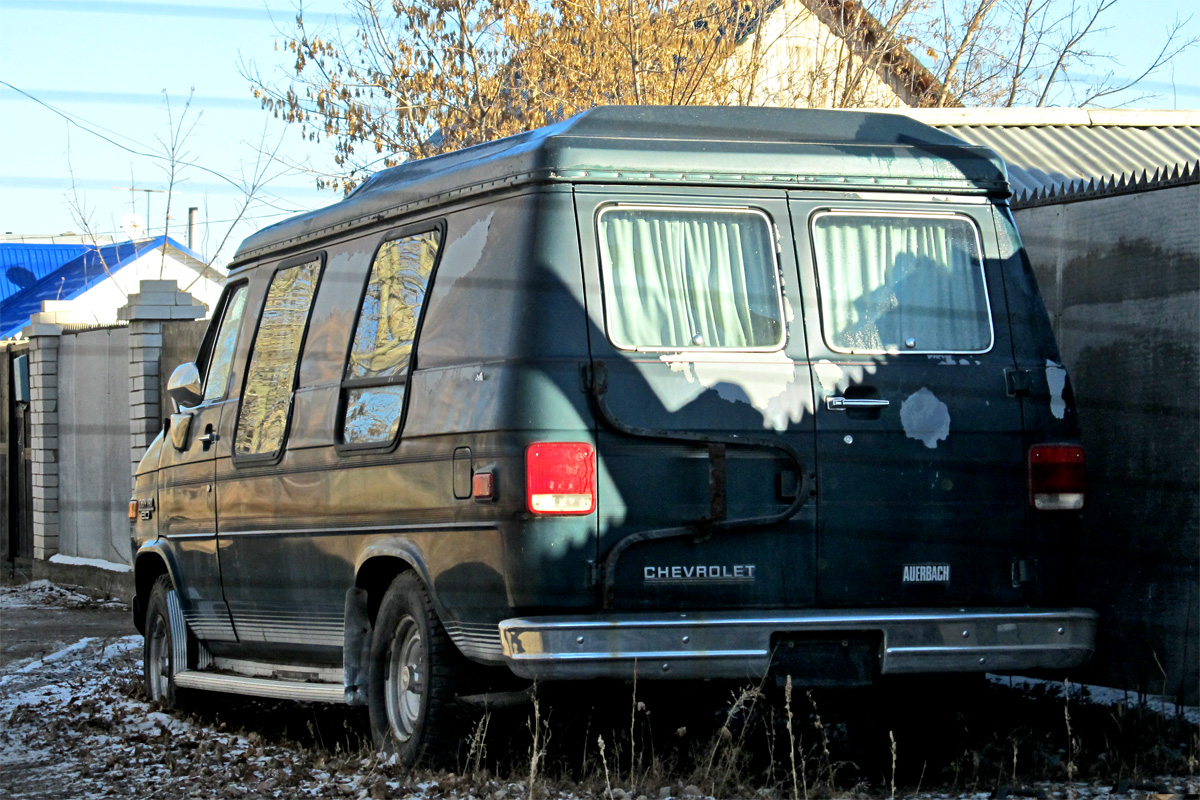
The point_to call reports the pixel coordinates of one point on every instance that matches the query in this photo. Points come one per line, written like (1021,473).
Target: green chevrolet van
(676,392)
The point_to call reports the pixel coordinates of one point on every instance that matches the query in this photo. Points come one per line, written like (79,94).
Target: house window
(681,278)
(271,377)
(901,283)
(381,353)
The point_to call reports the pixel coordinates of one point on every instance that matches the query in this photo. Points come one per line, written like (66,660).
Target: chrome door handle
(847,403)
(208,438)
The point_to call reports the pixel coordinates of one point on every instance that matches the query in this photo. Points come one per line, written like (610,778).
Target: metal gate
(16,464)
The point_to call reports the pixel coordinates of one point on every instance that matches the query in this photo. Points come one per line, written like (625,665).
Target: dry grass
(940,735)
(652,740)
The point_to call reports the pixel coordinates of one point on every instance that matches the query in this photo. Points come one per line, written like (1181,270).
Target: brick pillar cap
(161,300)
(35,329)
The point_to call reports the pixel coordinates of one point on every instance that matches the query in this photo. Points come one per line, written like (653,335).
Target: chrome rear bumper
(727,644)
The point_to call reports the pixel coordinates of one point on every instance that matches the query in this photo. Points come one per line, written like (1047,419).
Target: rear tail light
(560,478)
(1057,479)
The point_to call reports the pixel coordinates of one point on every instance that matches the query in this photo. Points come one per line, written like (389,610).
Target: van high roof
(682,145)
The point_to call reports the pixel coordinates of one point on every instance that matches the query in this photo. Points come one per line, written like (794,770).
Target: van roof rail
(697,145)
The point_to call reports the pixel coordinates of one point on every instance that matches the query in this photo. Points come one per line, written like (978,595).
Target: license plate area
(826,660)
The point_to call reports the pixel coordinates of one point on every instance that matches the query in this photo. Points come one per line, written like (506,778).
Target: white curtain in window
(886,280)
(689,279)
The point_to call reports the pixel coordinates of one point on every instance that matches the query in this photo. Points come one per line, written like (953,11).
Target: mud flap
(179,635)
(355,647)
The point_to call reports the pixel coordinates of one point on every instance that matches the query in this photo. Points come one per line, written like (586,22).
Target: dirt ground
(74,723)
(28,633)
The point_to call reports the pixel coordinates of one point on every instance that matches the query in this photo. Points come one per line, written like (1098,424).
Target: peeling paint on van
(684,367)
(951,361)
(462,254)
(838,377)
(829,375)
(925,418)
(764,381)
(1056,379)
(673,393)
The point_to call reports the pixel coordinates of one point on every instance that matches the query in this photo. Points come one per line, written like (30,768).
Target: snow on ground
(74,727)
(44,594)
(98,563)
(1105,696)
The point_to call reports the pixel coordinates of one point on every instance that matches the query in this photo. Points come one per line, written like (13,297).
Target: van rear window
(679,278)
(901,283)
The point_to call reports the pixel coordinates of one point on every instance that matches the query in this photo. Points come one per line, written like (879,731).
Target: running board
(261,687)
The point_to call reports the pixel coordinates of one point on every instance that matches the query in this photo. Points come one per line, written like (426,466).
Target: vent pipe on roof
(192,227)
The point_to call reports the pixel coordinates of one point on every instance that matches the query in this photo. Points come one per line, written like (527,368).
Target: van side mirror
(184,387)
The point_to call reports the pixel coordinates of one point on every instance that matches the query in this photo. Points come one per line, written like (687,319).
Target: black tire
(413,677)
(158,651)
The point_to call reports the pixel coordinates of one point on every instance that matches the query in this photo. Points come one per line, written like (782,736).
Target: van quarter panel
(500,364)
(1048,411)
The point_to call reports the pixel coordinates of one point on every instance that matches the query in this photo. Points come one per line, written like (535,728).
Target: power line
(248,218)
(144,99)
(140,153)
(76,119)
(192,10)
(51,183)
(145,153)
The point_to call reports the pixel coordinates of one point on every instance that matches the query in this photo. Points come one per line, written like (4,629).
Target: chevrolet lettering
(668,384)
(737,572)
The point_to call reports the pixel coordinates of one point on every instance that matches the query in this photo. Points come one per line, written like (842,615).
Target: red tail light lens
(560,478)
(1057,479)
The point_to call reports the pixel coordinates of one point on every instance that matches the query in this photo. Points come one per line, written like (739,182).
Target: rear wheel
(158,652)
(413,677)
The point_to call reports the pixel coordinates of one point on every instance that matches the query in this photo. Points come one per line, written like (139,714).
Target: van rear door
(920,462)
(703,399)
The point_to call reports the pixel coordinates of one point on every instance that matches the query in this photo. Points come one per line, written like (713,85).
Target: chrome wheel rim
(404,683)
(158,659)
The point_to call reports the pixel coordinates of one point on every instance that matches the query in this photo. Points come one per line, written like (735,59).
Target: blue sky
(104,67)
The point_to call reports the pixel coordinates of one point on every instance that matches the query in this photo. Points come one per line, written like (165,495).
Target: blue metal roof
(21,265)
(33,273)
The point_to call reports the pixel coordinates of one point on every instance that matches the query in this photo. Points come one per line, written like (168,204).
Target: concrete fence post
(44,338)
(155,303)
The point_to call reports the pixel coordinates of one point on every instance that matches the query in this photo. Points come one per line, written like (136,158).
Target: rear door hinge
(1023,571)
(1018,381)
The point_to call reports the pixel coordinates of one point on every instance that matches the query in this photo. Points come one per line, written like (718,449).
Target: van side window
(901,283)
(682,278)
(270,379)
(377,368)
(224,346)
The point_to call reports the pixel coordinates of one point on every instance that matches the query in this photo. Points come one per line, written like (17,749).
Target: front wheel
(158,652)
(412,679)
